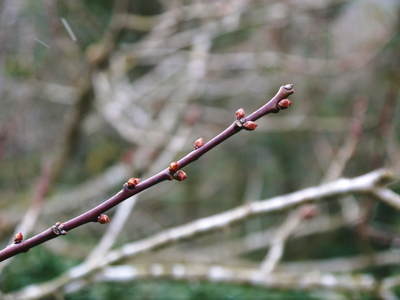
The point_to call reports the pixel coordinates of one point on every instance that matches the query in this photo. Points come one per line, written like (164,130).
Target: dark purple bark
(92,214)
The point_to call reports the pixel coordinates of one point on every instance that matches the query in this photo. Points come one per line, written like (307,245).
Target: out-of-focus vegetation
(93,91)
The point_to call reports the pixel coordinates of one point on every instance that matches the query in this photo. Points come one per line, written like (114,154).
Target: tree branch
(363,184)
(235,275)
(263,238)
(277,103)
(232,275)
(278,241)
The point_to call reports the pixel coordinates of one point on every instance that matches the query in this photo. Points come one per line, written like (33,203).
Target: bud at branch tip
(288,86)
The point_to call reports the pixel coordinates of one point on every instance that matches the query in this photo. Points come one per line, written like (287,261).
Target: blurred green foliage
(283,160)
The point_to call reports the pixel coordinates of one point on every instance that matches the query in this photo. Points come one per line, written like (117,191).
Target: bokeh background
(94,92)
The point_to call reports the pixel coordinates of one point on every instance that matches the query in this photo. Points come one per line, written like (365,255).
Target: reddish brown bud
(18,238)
(250,125)
(240,113)
(308,211)
(180,175)
(173,167)
(132,182)
(198,143)
(285,103)
(103,219)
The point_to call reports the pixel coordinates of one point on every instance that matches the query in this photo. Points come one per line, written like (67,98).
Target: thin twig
(195,71)
(274,105)
(125,209)
(233,275)
(52,171)
(349,146)
(263,239)
(344,264)
(359,185)
(275,252)
(336,168)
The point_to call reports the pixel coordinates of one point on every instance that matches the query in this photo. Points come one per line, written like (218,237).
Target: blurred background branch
(94,92)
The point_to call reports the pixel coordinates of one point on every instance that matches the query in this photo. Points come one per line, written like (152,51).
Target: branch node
(239,123)
(58,229)
(386,177)
(198,143)
(18,238)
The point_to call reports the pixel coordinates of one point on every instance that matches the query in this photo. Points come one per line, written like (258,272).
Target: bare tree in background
(94,94)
